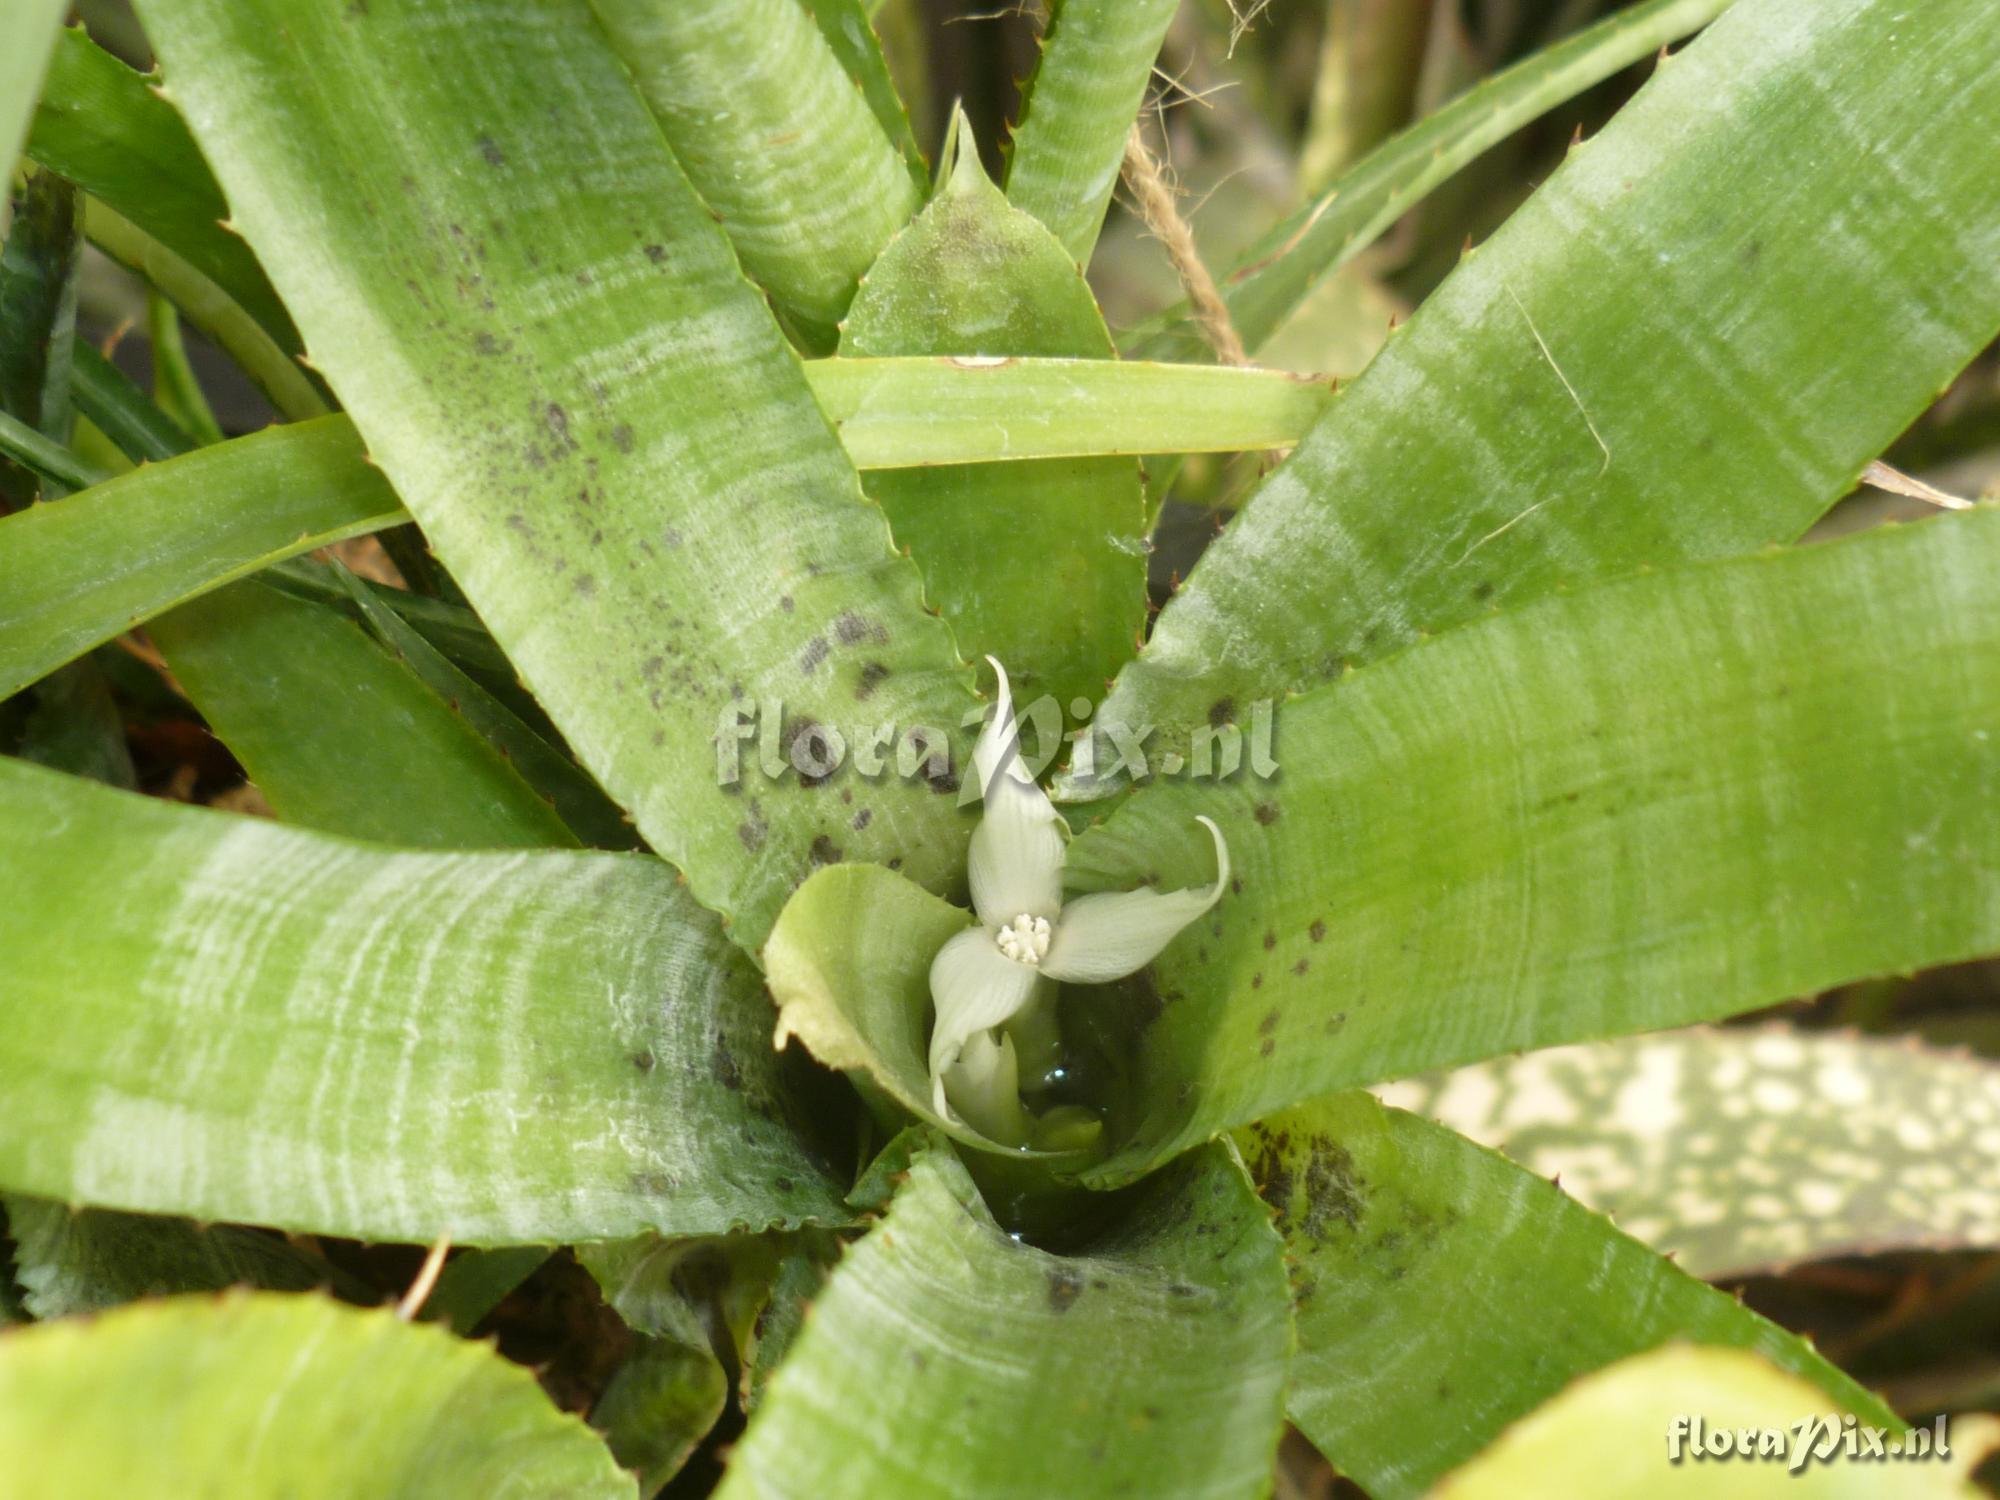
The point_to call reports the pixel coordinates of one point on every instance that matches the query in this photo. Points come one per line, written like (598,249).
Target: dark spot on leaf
(1267,813)
(584,584)
(1269,1024)
(723,1065)
(1270,1046)
(1317,932)
(1270,940)
(1222,711)
(862,819)
(1324,1192)
(872,675)
(785,603)
(1065,1287)
(643,1060)
(815,653)
(1300,967)
(657,254)
(852,629)
(621,437)
(488,147)
(752,834)
(825,851)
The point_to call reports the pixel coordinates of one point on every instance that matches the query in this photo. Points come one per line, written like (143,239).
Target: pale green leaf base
(945,1358)
(281,1395)
(243,1022)
(1442,1292)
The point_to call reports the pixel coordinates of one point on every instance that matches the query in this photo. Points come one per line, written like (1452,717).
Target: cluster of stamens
(1025,939)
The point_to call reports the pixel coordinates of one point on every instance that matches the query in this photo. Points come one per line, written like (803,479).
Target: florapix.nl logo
(761,739)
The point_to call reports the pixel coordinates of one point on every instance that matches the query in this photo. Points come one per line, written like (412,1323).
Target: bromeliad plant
(736,431)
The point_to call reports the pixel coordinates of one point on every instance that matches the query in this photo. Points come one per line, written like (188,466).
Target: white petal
(1016,860)
(984,1086)
(1101,938)
(974,986)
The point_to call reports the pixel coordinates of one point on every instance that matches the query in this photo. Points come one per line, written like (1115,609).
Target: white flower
(990,974)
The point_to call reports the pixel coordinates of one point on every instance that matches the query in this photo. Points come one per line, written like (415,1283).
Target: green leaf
(750,1290)
(28,34)
(800,1278)
(268,672)
(474,1282)
(891,413)
(105,128)
(341,736)
(1097,57)
(1744,1151)
(849,29)
(175,386)
(269,1394)
(1150,1359)
(1608,1435)
(212,309)
(259,1024)
(660,1403)
(645,579)
(453,628)
(175,530)
(774,135)
(684,1298)
(1371,55)
(1660,801)
(1040,563)
(38,321)
(70,722)
(849,966)
(1388,1219)
(108,397)
(917,411)
(1639,366)
(44,456)
(577,800)
(1274,277)
(72,1261)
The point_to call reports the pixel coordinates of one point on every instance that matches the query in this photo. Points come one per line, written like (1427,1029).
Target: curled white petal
(999,745)
(974,987)
(984,1087)
(1016,859)
(1102,938)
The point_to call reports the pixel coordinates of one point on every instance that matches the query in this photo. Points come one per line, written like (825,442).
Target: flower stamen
(1025,939)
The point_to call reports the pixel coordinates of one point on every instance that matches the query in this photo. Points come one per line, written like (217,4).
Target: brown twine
(1157,197)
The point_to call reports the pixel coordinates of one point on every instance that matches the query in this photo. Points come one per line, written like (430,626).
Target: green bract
(586,446)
